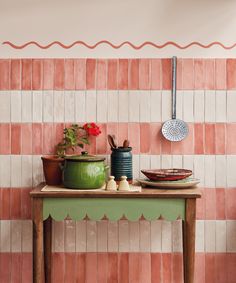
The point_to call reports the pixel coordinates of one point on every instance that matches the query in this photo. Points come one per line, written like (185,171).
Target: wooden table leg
(37,215)
(189,240)
(47,249)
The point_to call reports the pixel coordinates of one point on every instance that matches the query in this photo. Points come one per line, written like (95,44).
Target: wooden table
(150,203)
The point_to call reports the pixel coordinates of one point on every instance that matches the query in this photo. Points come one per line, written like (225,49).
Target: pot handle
(106,167)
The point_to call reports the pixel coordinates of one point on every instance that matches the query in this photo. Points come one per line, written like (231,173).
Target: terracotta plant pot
(52,169)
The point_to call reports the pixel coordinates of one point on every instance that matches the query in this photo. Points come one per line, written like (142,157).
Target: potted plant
(74,136)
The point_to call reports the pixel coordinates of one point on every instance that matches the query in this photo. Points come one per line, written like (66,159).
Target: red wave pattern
(136,47)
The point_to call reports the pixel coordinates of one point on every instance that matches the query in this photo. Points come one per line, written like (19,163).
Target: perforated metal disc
(175,130)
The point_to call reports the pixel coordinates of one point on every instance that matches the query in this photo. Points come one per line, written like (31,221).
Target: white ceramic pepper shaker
(111,184)
(123,185)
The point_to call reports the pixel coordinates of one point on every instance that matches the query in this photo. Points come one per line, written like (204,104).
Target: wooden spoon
(111,141)
(126,143)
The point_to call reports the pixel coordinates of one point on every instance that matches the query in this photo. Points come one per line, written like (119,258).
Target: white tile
(70,106)
(27,170)
(221,106)
(80,106)
(27,236)
(48,106)
(15,170)
(81,236)
(210,236)
(231,165)
(70,235)
(231,236)
(134,106)
(220,236)
(231,102)
(221,172)
(5,171)
(123,112)
(59,236)
(199,168)
(188,161)
(180,104)
(16,235)
(145,236)
(136,166)
(156,234)
(91,236)
(177,236)
(123,230)
(166,161)
(37,170)
(5,240)
(134,236)
(155,161)
(112,236)
(166,105)
(155,106)
(16,106)
(102,231)
(210,176)
(199,106)
(200,236)
(37,106)
(144,163)
(91,106)
(177,161)
(145,106)
(5,106)
(58,106)
(102,106)
(188,106)
(26,105)
(210,106)
(166,239)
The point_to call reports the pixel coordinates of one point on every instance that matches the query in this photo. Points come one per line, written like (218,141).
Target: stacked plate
(168,178)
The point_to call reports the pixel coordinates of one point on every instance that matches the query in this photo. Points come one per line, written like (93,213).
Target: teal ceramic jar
(84,172)
(121,163)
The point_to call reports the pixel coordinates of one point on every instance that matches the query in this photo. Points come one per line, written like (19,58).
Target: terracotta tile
(209,138)
(70,261)
(48,74)
(15,203)
(231,136)
(26,138)
(133,77)
(188,74)
(199,74)
(5,203)
(200,207)
(156,136)
(112,69)
(176,147)
(134,137)
(15,138)
(37,132)
(134,267)
(210,204)
(122,132)
(58,267)
(230,195)
(179,84)
(102,263)
(5,267)
(210,268)
(166,74)
(0,203)
(231,73)
(15,79)
(144,74)
(80,74)
(200,268)
(155,267)
(123,268)
(25,203)
(221,267)
(220,138)
(188,142)
(101,140)
(220,204)
(26,74)
(166,268)
(90,73)
(59,74)
(58,129)
(16,265)
(123,74)
(5,143)
(210,74)
(231,270)
(112,270)
(91,148)
(177,267)
(4,74)
(37,74)
(165,145)
(48,139)
(220,76)
(91,272)
(80,268)
(199,145)
(156,80)
(69,74)
(27,275)
(101,74)
(145,268)
(145,141)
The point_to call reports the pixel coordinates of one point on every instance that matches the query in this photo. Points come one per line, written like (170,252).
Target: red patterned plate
(172,174)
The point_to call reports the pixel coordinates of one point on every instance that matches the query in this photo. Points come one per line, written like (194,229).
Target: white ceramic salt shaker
(111,184)
(123,185)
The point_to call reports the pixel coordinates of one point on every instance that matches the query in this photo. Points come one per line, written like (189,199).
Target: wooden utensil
(111,141)
(126,143)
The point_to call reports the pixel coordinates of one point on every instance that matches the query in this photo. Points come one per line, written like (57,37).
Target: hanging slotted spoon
(174,129)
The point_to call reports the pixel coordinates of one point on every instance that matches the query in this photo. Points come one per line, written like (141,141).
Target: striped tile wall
(130,98)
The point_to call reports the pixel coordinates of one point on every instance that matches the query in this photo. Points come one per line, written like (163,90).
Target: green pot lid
(85,157)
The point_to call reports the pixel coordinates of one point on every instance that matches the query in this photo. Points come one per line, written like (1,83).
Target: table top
(145,193)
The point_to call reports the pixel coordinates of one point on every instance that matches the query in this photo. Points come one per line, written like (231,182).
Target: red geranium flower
(92,129)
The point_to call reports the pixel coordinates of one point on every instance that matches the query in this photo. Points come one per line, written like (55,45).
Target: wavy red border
(136,47)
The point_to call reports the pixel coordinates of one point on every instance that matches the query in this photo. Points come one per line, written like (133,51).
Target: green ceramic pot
(84,172)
